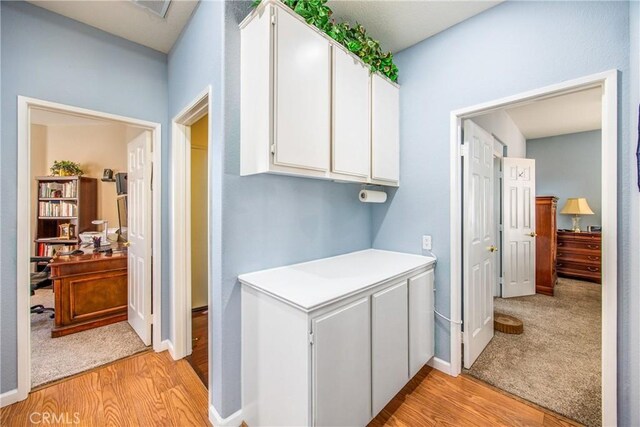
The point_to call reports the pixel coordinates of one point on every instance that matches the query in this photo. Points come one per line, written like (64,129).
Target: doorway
(72,203)
(476,319)
(191,234)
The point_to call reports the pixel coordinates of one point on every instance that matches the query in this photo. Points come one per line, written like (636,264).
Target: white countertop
(313,284)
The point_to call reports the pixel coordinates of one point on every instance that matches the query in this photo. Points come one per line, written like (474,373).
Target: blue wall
(268,220)
(50,57)
(514,47)
(570,166)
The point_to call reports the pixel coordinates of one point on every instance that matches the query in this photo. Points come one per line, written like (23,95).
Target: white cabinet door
(303,95)
(351,114)
(385,130)
(342,366)
(390,345)
(420,321)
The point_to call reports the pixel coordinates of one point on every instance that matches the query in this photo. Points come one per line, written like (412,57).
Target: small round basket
(507,324)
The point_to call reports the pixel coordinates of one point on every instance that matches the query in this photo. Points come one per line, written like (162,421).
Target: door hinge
(311,338)
(462,336)
(464,150)
(273,19)
(273,148)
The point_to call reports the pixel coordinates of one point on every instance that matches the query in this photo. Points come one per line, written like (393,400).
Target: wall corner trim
(233,420)
(441,365)
(9,397)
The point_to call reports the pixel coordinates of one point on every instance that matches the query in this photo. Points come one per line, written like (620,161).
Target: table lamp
(576,206)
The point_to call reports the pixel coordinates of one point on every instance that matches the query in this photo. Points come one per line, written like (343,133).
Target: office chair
(41,279)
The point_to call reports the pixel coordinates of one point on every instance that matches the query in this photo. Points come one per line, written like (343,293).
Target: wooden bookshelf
(64,199)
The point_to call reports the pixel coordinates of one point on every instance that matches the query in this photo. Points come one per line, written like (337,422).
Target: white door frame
(25,104)
(608,81)
(181,221)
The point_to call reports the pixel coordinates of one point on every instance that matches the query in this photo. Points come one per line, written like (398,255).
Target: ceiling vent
(158,7)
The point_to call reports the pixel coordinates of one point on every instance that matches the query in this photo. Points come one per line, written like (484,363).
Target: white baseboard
(9,397)
(440,365)
(233,420)
(162,346)
(168,345)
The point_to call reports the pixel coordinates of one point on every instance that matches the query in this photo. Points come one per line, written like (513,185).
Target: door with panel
(385,130)
(390,347)
(479,250)
(350,116)
(342,366)
(519,222)
(302,95)
(139,235)
(420,321)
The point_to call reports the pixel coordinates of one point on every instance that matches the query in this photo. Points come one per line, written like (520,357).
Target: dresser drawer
(579,271)
(585,245)
(585,257)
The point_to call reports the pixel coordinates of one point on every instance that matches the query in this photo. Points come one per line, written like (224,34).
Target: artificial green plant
(354,38)
(66,168)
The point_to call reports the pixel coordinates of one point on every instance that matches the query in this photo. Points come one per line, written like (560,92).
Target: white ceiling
(561,115)
(398,24)
(127,20)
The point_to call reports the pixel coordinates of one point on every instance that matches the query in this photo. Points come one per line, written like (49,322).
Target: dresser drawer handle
(559,264)
(593,258)
(560,254)
(560,244)
(593,246)
(593,269)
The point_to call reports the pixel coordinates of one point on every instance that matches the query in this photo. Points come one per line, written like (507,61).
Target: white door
(390,346)
(342,366)
(479,241)
(420,321)
(139,235)
(351,113)
(303,95)
(519,222)
(385,130)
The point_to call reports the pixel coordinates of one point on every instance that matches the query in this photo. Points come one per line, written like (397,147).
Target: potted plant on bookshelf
(66,168)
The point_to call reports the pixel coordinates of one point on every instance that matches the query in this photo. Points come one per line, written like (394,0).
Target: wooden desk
(90,291)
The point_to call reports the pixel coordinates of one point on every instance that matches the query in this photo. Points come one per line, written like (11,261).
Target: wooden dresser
(546,277)
(580,256)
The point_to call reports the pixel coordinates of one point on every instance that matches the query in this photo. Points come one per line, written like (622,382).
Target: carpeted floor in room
(555,362)
(56,358)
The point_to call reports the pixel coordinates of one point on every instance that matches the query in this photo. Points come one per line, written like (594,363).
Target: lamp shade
(576,206)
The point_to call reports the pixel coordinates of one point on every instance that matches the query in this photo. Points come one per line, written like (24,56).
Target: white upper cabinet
(351,116)
(309,108)
(302,95)
(385,130)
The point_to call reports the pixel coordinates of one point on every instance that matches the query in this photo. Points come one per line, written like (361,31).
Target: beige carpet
(555,363)
(56,358)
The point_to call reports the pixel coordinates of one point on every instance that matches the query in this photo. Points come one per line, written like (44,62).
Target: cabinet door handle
(593,269)
(593,246)
(593,258)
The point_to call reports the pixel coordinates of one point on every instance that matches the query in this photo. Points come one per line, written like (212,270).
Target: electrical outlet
(426,243)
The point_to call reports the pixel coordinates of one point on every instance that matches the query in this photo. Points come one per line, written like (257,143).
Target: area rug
(56,358)
(555,362)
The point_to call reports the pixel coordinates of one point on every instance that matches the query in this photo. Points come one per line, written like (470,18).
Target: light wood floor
(153,390)
(147,390)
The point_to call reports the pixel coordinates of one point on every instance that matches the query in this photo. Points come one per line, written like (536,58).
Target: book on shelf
(49,250)
(57,208)
(58,189)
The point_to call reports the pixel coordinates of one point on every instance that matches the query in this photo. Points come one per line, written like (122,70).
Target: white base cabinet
(323,346)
